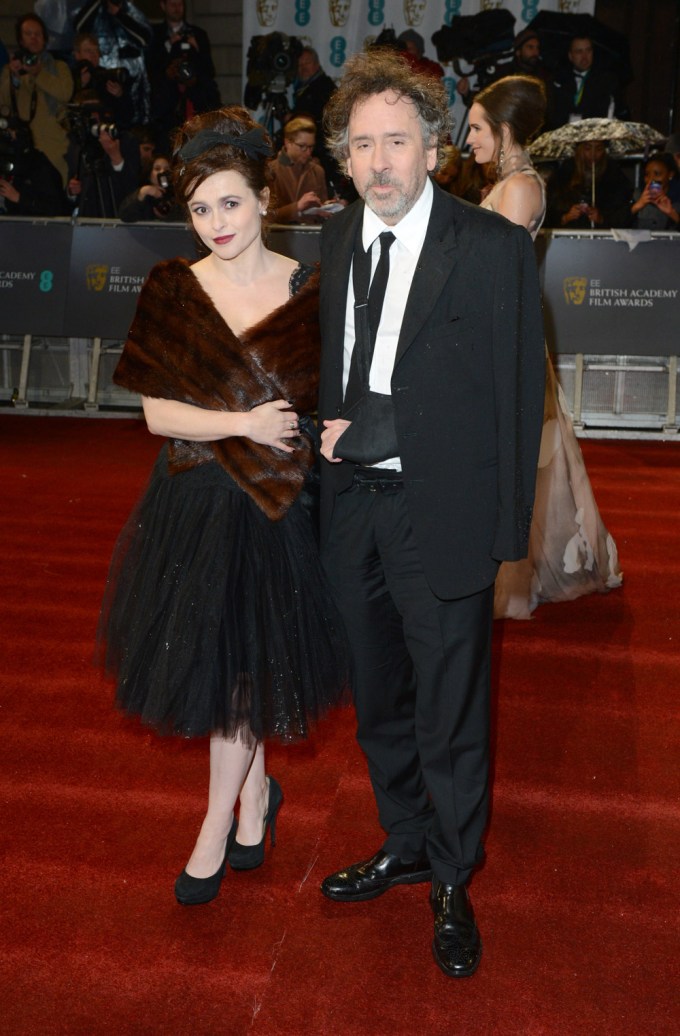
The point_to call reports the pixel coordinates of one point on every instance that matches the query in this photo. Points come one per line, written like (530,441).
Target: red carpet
(577,903)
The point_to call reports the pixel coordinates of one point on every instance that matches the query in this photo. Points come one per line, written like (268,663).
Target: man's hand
(112,148)
(308,200)
(9,191)
(330,435)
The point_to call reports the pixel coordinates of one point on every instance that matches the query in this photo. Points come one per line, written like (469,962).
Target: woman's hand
(665,205)
(271,424)
(572,214)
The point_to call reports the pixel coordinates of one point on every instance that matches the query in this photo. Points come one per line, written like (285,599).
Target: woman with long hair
(570,551)
(217,621)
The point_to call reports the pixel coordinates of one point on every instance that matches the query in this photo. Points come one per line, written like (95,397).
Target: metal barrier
(68,292)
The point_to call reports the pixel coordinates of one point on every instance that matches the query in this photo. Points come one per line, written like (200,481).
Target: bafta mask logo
(491,5)
(96,277)
(267,11)
(338,11)
(569,6)
(574,290)
(414,12)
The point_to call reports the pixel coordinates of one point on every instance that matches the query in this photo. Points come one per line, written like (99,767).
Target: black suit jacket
(468,388)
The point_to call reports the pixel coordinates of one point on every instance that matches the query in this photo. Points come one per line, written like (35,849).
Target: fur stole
(180,348)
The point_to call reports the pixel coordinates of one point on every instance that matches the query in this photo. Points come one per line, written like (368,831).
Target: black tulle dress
(216,618)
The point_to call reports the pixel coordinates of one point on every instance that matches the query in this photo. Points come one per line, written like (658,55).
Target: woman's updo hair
(233,122)
(518,102)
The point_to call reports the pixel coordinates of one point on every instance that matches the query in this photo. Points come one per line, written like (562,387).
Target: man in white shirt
(431,404)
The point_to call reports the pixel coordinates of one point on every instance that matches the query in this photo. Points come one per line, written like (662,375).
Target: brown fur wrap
(180,348)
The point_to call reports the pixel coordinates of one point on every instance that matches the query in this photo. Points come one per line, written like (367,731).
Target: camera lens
(281,62)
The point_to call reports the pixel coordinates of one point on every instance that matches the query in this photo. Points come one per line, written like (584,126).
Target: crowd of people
(93,97)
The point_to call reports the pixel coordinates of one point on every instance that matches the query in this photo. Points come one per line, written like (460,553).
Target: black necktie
(357,383)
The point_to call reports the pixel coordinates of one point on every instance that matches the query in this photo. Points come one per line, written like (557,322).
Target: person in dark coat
(581,89)
(181,72)
(429,453)
(29,184)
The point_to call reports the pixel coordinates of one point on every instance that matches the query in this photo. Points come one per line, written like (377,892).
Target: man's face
(299,148)
(581,54)
(32,37)
(529,53)
(388,160)
(307,65)
(88,51)
(146,150)
(173,10)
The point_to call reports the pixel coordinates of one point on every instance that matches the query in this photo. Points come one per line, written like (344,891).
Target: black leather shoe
(457,947)
(373,877)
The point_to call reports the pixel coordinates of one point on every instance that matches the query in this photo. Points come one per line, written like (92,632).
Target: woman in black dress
(216,619)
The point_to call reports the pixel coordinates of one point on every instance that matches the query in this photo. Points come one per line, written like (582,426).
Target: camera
(654,187)
(165,204)
(484,40)
(26,57)
(99,76)
(180,52)
(15,142)
(271,65)
(7,156)
(85,123)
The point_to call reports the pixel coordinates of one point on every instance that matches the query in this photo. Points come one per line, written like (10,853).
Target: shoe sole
(361,897)
(455,973)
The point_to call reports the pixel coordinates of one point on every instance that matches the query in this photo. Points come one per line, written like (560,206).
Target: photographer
(106,85)
(34,87)
(123,34)
(181,71)
(29,183)
(104,164)
(155,199)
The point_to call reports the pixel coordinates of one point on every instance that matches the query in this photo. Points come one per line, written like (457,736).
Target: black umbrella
(556,29)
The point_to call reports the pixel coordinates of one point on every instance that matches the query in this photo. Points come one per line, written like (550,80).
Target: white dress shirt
(404,254)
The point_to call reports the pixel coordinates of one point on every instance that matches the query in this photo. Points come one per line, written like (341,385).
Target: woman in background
(570,551)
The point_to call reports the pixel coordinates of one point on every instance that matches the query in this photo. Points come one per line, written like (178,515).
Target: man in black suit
(437,481)
(581,89)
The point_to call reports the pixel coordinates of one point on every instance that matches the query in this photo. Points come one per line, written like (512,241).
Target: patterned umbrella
(621,137)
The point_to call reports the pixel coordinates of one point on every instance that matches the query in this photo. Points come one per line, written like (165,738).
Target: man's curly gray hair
(376,71)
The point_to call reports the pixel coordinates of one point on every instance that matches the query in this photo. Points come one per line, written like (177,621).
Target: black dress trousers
(421,686)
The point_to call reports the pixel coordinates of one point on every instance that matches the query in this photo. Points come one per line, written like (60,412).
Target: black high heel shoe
(247,857)
(191,891)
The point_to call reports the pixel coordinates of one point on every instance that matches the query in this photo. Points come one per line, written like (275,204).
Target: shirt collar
(409,231)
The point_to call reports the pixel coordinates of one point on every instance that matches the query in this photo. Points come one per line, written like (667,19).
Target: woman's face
(227,214)
(657,172)
(480,139)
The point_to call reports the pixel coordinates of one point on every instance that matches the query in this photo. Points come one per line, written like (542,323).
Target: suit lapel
(432,272)
(340,249)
